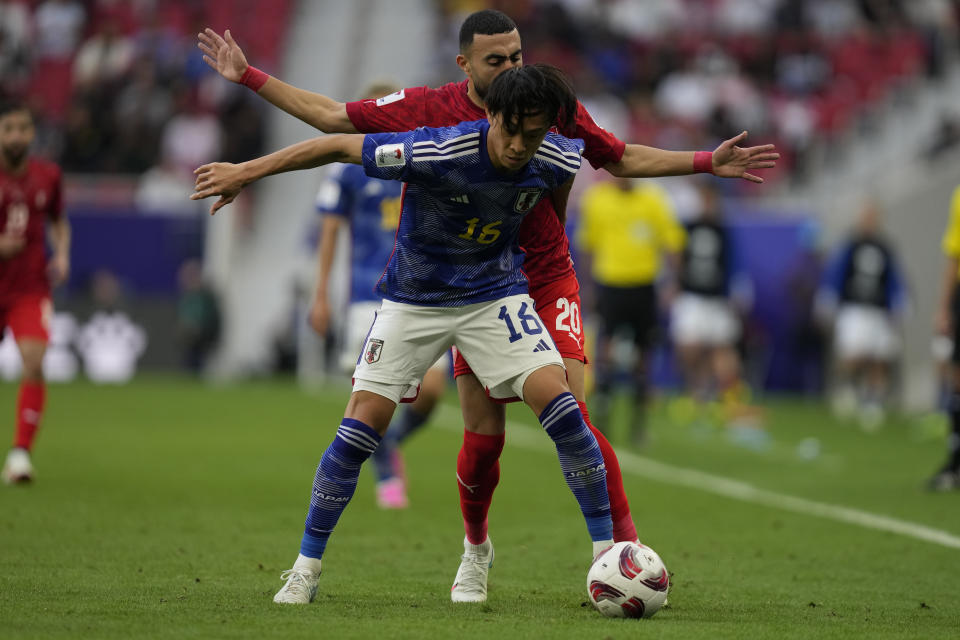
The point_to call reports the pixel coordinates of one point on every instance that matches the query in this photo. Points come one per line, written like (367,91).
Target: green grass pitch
(168,509)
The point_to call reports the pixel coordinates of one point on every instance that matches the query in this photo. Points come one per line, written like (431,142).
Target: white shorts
(703,320)
(503,340)
(360,316)
(863,331)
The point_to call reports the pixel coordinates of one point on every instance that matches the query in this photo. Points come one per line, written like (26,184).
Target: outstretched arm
(728,161)
(225,179)
(58,268)
(224,55)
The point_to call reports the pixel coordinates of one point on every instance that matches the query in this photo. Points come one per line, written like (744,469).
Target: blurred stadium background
(860,97)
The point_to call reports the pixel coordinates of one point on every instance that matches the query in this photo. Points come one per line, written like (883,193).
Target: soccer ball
(627,580)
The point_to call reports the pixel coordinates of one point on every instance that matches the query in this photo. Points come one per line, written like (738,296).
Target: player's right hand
(218,179)
(320,316)
(223,54)
(11,244)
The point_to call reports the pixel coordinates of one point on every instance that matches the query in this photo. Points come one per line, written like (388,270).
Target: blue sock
(335,482)
(581,462)
(407,422)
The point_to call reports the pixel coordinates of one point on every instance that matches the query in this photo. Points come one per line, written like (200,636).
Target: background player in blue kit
(865,293)
(454,278)
(370,207)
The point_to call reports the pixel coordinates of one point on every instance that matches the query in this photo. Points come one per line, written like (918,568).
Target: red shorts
(558,306)
(28,317)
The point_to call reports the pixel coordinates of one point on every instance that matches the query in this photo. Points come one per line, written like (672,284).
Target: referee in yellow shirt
(947,323)
(628,231)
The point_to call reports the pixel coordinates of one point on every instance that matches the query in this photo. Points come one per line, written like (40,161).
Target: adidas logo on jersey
(541,346)
(461,199)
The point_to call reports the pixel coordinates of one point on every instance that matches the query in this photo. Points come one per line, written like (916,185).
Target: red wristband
(703,162)
(253,78)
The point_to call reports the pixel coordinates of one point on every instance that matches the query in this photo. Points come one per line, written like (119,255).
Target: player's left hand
(58,269)
(731,161)
(218,179)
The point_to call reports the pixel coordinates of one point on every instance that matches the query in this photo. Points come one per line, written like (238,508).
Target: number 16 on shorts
(524,322)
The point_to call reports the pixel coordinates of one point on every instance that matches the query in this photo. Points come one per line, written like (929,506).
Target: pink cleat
(392,494)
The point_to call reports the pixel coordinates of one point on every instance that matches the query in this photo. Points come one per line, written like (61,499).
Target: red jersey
(542,237)
(27,201)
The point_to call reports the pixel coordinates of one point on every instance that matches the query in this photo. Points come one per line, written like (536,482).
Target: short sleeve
(951,239)
(562,155)
(387,155)
(600,146)
(400,111)
(335,196)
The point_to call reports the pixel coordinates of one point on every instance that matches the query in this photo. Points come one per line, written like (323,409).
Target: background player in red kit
(490,44)
(30,201)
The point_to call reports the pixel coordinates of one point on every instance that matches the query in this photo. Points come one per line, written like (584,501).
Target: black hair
(532,90)
(488,22)
(11,105)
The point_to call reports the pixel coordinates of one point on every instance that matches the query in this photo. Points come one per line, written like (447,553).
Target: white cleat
(470,585)
(17,469)
(301,587)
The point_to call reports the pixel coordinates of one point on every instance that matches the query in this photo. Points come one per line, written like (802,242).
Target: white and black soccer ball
(628,580)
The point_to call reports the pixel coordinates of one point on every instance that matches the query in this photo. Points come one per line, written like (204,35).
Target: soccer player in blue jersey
(454,279)
(370,207)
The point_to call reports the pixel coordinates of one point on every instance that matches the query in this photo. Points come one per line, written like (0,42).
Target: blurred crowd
(118,86)
(686,73)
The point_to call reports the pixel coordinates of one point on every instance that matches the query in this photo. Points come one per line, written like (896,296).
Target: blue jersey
(865,271)
(372,208)
(457,239)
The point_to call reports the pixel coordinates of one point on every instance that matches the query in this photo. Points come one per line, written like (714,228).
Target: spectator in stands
(103,59)
(864,291)
(627,230)
(160,191)
(193,135)
(59,27)
(14,35)
(143,106)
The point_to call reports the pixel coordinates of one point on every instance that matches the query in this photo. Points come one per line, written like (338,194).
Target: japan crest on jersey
(374,349)
(526,199)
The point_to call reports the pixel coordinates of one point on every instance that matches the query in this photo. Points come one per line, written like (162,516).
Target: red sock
(478,472)
(623,528)
(29,410)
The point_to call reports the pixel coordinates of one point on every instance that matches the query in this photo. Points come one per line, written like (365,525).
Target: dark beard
(481,91)
(14,157)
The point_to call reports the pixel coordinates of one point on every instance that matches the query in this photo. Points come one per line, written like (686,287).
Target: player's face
(489,56)
(16,135)
(511,147)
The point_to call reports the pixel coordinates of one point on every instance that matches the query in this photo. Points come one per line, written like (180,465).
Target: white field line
(528,437)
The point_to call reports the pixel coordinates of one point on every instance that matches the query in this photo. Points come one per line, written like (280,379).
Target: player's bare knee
(31,352)
(486,418)
(575,378)
(371,409)
(543,385)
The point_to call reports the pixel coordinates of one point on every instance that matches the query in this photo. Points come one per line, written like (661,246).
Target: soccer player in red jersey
(490,44)
(30,198)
